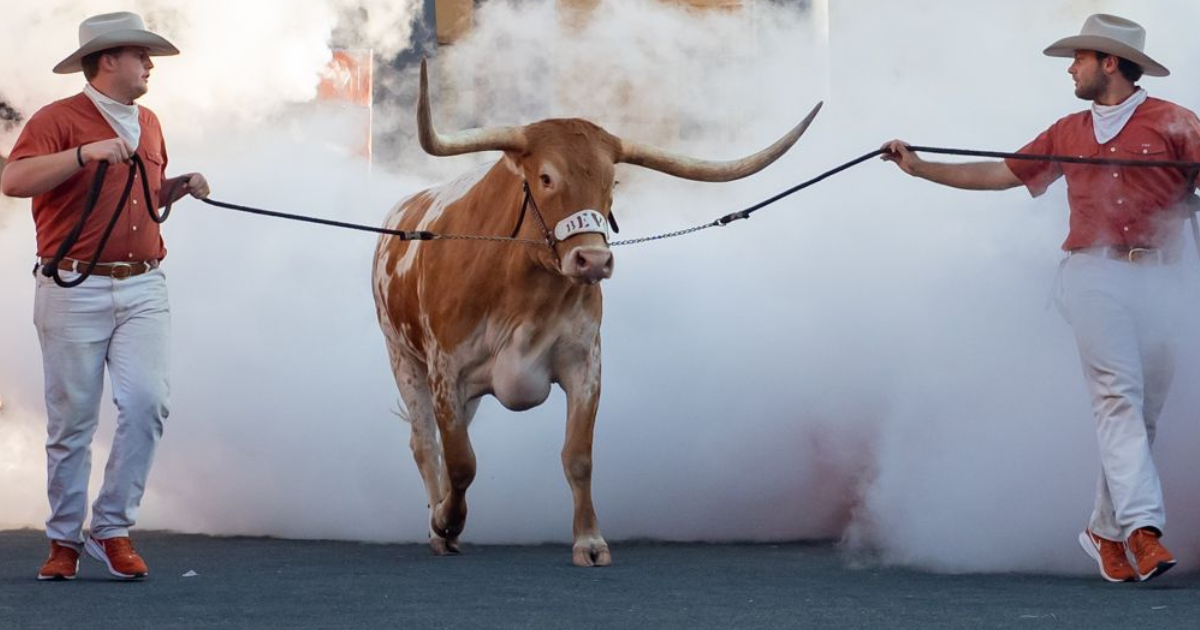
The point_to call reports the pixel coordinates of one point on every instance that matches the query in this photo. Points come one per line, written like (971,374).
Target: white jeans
(1124,316)
(124,325)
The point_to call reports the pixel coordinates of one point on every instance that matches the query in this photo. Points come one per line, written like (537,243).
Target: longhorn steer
(465,319)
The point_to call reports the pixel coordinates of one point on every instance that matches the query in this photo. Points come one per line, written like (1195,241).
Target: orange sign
(349,79)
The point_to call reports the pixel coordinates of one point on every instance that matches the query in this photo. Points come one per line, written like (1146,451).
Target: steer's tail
(401,411)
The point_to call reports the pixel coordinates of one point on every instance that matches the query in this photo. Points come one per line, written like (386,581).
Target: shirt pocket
(153,158)
(154,174)
(1148,149)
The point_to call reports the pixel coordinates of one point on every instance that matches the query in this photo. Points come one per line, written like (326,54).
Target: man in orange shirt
(120,316)
(1120,280)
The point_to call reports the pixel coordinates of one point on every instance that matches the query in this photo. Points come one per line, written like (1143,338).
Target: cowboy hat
(113,30)
(1112,35)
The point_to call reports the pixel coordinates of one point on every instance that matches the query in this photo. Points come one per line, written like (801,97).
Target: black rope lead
(51,268)
(402,235)
(136,166)
(1190,167)
(1063,159)
(745,214)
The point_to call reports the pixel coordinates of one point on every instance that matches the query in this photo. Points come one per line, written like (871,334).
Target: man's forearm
(169,186)
(36,175)
(969,176)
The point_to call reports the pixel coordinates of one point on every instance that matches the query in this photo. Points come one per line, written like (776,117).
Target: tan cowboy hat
(1113,35)
(113,30)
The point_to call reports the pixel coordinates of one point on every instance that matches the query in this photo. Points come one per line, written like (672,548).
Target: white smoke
(241,62)
(869,359)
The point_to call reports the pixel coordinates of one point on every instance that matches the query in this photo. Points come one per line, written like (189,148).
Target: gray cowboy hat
(1113,35)
(113,30)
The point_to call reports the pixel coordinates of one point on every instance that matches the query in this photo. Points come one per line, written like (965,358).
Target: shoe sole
(96,551)
(1162,568)
(1090,549)
(57,577)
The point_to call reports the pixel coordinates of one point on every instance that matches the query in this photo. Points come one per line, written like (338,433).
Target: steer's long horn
(466,141)
(710,171)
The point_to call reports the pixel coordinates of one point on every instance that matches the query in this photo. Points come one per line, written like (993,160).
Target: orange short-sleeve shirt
(75,121)
(1131,206)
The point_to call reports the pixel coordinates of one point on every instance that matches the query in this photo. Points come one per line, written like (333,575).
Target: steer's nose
(593,264)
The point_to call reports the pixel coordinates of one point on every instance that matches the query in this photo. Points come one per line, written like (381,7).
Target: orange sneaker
(62,563)
(118,555)
(1110,555)
(1151,556)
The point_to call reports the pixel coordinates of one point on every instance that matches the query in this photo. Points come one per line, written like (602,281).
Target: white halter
(582,222)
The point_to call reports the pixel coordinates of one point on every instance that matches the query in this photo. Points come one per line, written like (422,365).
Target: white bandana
(121,117)
(1109,120)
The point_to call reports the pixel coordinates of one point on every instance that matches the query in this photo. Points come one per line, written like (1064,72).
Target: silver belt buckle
(118,274)
(1136,253)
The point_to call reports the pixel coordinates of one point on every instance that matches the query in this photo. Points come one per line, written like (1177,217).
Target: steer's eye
(545,180)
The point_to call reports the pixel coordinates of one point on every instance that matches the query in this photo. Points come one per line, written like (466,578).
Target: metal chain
(496,239)
(659,237)
(531,242)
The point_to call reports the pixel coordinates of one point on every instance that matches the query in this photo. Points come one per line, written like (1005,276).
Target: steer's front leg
(581,381)
(450,515)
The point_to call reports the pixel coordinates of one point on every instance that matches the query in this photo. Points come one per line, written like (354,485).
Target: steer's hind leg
(413,383)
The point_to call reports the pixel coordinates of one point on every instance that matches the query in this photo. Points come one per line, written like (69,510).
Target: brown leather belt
(114,270)
(1131,254)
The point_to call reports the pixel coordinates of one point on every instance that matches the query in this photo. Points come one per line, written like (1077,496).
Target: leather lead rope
(136,167)
(1062,159)
(724,220)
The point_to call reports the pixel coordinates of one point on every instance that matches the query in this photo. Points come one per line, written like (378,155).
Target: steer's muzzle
(589,265)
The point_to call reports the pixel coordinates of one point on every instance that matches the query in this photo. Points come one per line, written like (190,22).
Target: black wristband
(79,155)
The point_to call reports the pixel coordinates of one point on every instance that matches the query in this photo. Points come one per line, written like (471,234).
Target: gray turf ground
(266,583)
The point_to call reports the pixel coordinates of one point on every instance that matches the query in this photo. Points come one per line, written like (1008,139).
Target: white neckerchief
(1109,120)
(121,117)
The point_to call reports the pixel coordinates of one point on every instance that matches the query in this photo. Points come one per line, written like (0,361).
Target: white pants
(1124,316)
(124,325)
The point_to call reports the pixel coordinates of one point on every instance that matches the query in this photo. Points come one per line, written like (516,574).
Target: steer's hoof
(443,547)
(448,524)
(591,554)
